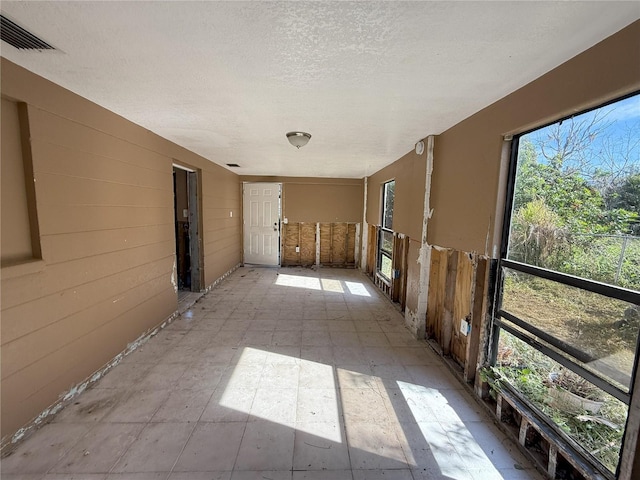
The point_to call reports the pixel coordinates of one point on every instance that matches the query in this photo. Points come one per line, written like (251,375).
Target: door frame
(194,206)
(280,210)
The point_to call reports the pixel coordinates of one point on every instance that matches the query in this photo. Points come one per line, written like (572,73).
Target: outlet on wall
(464,327)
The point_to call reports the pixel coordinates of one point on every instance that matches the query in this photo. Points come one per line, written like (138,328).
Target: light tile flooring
(276,374)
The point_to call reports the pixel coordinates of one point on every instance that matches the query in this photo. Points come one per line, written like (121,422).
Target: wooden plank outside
(480,292)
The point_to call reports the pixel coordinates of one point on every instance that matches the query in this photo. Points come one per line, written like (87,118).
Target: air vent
(18,37)
(234,165)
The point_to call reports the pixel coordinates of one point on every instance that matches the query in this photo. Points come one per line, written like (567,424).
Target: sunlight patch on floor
(325,284)
(332,285)
(357,288)
(298,281)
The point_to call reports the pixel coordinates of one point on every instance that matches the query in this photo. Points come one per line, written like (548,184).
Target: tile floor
(276,374)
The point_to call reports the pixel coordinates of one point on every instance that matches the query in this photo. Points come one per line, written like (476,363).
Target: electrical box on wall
(465,327)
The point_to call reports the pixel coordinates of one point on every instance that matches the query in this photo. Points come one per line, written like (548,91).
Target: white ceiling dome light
(298,139)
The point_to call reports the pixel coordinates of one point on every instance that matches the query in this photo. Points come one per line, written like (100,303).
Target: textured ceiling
(227,80)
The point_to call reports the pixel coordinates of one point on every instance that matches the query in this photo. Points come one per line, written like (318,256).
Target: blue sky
(620,139)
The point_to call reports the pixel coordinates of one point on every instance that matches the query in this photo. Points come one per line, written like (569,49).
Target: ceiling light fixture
(298,139)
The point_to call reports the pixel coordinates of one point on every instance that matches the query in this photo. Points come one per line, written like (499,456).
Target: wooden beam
(479,305)
(449,299)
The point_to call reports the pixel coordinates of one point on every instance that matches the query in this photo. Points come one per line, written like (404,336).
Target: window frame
(384,230)
(525,331)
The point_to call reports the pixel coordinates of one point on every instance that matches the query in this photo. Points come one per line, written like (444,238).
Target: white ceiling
(367,79)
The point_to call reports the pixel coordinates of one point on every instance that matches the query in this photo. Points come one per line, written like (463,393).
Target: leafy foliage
(528,371)
(559,218)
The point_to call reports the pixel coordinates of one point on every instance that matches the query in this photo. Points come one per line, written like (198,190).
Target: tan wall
(409,173)
(319,199)
(16,231)
(466,168)
(104,195)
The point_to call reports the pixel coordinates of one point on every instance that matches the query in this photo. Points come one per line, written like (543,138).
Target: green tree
(627,197)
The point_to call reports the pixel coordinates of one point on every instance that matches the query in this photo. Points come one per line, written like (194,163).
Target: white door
(261,219)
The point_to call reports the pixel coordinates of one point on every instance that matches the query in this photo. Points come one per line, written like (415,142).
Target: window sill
(383,279)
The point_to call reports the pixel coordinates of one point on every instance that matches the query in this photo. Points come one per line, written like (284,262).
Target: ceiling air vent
(234,165)
(18,37)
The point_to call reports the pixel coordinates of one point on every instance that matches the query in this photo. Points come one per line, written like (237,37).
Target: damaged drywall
(416,319)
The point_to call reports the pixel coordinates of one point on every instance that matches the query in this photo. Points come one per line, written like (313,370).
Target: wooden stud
(522,434)
(479,305)
(552,465)
(317,244)
(356,246)
(449,298)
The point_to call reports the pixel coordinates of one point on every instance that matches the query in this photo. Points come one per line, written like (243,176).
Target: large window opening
(567,314)
(385,241)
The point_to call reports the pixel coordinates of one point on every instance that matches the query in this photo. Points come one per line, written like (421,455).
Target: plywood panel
(351,243)
(435,301)
(465,277)
(479,307)
(326,231)
(339,243)
(290,239)
(307,244)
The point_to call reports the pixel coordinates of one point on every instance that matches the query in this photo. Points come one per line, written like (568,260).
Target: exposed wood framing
(458,283)
(400,267)
(462,300)
(479,296)
(357,251)
(449,297)
(556,453)
(372,248)
(307,244)
(336,245)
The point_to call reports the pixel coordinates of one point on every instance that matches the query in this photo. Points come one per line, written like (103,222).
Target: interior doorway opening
(187,229)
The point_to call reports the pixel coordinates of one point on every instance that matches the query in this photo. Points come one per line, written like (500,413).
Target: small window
(385,241)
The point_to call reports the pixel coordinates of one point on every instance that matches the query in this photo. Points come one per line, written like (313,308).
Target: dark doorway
(185,190)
